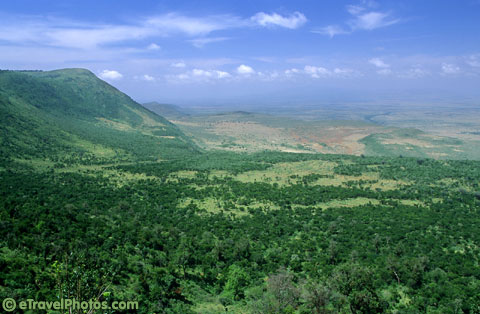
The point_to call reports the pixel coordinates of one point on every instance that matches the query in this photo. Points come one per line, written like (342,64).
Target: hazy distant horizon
(255,52)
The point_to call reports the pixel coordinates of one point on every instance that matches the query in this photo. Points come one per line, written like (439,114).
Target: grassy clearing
(182,174)
(116,177)
(291,173)
(350,203)
(215,206)
(281,173)
(412,202)
(388,185)
(356,202)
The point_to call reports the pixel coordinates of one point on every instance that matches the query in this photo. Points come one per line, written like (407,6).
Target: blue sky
(244,52)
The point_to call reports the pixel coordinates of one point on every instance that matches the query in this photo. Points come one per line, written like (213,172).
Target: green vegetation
(71,116)
(193,236)
(102,202)
(415,143)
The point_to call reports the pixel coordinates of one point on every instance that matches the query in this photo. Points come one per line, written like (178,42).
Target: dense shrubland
(75,233)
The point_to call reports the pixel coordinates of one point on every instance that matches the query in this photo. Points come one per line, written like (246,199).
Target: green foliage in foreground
(67,234)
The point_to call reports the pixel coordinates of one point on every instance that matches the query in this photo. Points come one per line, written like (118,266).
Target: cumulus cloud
(292,71)
(145,77)
(268,75)
(149,78)
(293,21)
(378,63)
(245,70)
(383,68)
(316,72)
(448,68)
(473,61)
(199,75)
(321,72)
(110,75)
(199,72)
(222,74)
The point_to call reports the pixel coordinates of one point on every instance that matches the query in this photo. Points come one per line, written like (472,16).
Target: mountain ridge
(71,110)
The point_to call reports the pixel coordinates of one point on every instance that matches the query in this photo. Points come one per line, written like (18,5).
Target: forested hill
(71,113)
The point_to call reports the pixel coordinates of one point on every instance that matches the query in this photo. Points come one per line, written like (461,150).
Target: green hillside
(71,113)
(101,199)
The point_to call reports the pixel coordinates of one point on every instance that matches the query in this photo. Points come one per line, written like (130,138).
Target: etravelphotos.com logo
(10,305)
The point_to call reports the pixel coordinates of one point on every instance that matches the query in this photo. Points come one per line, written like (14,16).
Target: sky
(258,52)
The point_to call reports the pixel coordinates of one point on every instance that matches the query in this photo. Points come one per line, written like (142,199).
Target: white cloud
(183,76)
(355,9)
(245,70)
(222,74)
(89,36)
(202,75)
(74,34)
(149,78)
(343,72)
(200,42)
(363,19)
(293,21)
(292,71)
(448,68)
(268,76)
(199,72)
(178,65)
(372,20)
(45,31)
(331,30)
(319,72)
(110,75)
(145,77)
(473,61)
(153,46)
(174,23)
(378,63)
(274,75)
(383,68)
(316,72)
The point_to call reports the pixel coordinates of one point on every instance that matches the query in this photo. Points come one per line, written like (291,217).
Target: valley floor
(249,233)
